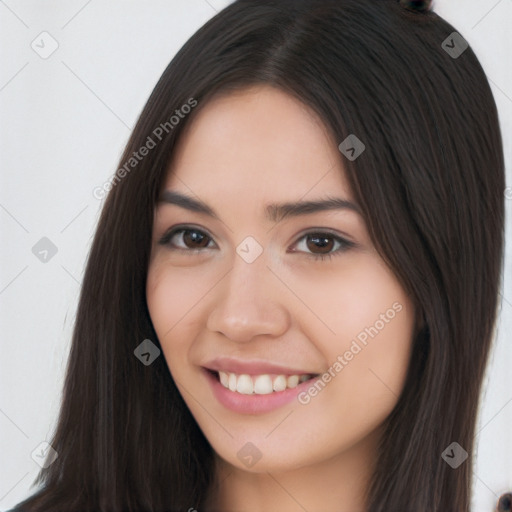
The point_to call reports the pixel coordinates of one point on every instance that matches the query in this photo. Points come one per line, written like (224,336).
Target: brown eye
(321,243)
(194,239)
(186,238)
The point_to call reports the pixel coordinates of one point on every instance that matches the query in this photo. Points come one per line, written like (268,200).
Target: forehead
(258,142)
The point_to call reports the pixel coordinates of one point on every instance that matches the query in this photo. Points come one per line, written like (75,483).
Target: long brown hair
(430,184)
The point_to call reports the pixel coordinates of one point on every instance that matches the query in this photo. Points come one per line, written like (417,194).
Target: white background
(64,122)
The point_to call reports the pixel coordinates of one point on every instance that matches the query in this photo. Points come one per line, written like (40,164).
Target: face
(284,331)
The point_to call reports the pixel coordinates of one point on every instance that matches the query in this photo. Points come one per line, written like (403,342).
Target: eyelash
(344,244)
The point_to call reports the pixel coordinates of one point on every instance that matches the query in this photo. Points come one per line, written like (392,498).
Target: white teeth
(244,385)
(232,382)
(263,385)
(260,384)
(280,383)
(293,381)
(224,379)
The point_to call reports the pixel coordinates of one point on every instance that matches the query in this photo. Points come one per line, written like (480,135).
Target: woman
(292,290)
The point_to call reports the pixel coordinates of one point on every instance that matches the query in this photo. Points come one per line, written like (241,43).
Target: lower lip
(254,403)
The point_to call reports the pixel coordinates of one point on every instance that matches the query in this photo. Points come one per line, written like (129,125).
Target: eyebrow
(274,212)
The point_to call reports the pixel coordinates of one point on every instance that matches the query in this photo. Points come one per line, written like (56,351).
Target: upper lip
(252,367)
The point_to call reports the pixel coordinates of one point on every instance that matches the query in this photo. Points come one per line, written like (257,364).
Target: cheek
(363,316)
(343,302)
(172,293)
(376,311)
(379,357)
(171,296)
(382,325)
(368,357)
(161,300)
(381,335)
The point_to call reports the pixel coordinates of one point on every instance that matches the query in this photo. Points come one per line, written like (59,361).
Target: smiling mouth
(264,384)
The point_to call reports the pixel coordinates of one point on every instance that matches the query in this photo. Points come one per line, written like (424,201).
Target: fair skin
(242,152)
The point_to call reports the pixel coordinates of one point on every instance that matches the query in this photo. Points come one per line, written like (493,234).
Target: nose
(249,303)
